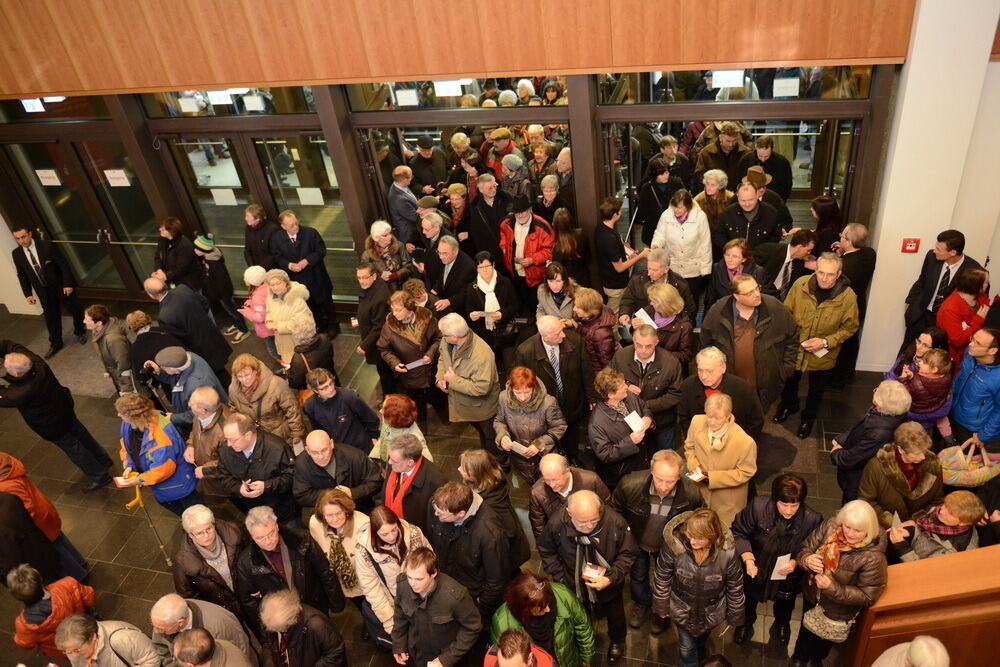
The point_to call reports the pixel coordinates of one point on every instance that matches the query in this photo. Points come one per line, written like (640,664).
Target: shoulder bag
(821,625)
(303,394)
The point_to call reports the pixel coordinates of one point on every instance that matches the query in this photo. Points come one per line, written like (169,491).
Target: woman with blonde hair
(698,581)
(845,561)
(286,301)
(481,471)
(596,324)
(673,326)
(267,399)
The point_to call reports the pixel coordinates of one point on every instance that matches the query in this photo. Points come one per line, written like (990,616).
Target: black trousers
(847,359)
(527,297)
(52,302)
(817,384)
(614,611)
(488,441)
(809,646)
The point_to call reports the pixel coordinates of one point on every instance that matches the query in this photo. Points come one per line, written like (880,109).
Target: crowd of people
(634,414)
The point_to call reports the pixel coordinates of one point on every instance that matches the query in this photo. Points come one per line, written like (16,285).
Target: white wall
(940,170)
(10,289)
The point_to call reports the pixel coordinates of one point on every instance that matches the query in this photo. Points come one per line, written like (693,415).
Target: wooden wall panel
(113,46)
(996,45)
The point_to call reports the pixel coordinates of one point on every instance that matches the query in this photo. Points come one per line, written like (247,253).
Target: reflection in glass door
(47,176)
(300,177)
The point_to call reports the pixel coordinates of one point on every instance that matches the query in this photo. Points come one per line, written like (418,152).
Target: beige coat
(380,591)
(273,406)
(322,539)
(285,310)
(729,466)
(205,441)
(473,392)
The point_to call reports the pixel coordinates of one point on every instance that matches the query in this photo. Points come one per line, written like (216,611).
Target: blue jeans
(71,561)
(642,594)
(662,440)
(272,349)
(691,647)
(83,450)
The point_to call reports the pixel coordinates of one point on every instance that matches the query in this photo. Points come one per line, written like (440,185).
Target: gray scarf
(587,552)
(215,556)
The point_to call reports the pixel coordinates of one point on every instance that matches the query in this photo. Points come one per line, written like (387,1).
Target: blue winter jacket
(161,466)
(975,402)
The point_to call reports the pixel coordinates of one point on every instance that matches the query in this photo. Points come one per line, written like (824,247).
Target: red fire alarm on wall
(910,245)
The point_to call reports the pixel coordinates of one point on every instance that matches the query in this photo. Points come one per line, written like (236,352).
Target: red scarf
(911,471)
(395,490)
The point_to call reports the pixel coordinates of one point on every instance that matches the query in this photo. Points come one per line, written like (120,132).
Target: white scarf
(715,437)
(491,305)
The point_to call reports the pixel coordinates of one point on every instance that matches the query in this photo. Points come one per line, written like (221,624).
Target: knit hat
(428,201)
(500,133)
(512,162)
(171,357)
(204,243)
(254,275)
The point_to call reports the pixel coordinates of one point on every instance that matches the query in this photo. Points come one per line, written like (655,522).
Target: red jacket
(69,597)
(14,480)
(541,658)
(952,315)
(537,246)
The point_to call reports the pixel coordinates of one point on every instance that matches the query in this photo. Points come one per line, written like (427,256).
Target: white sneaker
(230,330)
(240,336)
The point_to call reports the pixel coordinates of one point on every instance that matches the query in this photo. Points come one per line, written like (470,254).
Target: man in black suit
(785,262)
(859,266)
(40,266)
(572,383)
(410,481)
(300,251)
(425,256)
(458,271)
(402,205)
(935,283)
(187,313)
(711,378)
(373,307)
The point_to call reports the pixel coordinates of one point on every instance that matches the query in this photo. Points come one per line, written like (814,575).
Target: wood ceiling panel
(37,61)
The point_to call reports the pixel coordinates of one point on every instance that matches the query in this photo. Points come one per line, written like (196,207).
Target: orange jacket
(14,480)
(69,597)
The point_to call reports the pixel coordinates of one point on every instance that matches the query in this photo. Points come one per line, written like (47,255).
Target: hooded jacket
(698,597)
(272,405)
(162,466)
(884,486)
(538,421)
(836,319)
(14,480)
(378,572)
(68,597)
(976,397)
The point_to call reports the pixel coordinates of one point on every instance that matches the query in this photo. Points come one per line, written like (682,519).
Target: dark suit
(771,257)
(417,500)
(309,246)
(577,375)
(187,312)
(55,275)
(461,275)
(858,268)
(921,295)
(402,213)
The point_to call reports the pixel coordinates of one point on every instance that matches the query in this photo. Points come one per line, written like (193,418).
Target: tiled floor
(129,571)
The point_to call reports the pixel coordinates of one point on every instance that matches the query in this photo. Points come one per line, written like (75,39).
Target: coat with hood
(884,486)
(836,319)
(689,243)
(273,406)
(378,571)
(285,309)
(976,397)
(775,344)
(598,333)
(572,634)
(68,597)
(611,439)
(398,257)
(14,480)
(698,597)
(858,581)
(538,421)
(729,465)
(195,579)
(113,346)
(255,310)
(751,529)
(859,445)
(160,463)
(546,503)
(612,538)
(476,553)
(537,246)
(925,544)
(473,391)
(403,344)
(215,276)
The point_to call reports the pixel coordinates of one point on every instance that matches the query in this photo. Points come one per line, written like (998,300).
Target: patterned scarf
(831,549)
(388,258)
(249,391)
(930,523)
(911,471)
(340,562)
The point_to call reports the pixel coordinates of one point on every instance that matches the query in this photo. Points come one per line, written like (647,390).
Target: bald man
(558,480)
(324,464)
(172,614)
(608,551)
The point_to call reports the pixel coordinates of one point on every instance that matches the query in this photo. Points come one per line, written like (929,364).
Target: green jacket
(573,636)
(836,320)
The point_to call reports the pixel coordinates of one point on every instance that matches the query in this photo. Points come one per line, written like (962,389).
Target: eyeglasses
(78,649)
(205,532)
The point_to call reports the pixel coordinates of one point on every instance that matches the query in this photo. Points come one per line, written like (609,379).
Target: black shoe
(658,625)
(638,616)
(795,662)
(783,631)
(52,351)
(781,415)
(82,339)
(94,486)
(742,634)
(805,428)
(615,653)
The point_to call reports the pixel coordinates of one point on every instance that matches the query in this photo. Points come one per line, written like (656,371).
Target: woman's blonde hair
(863,516)
(607,381)
(245,361)
(589,301)
(665,299)
(892,398)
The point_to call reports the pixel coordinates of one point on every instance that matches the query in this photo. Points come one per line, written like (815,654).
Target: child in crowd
(930,389)
(45,607)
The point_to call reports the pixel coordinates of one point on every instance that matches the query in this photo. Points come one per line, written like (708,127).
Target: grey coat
(698,597)
(928,545)
(547,305)
(220,622)
(538,421)
(114,347)
(776,343)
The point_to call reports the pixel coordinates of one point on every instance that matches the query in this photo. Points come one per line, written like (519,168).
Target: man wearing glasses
(975,408)
(757,334)
(87,642)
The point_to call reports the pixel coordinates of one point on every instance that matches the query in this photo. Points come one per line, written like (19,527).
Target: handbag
(969,471)
(821,625)
(302,395)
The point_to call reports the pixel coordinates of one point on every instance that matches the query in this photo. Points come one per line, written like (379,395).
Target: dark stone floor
(130,572)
